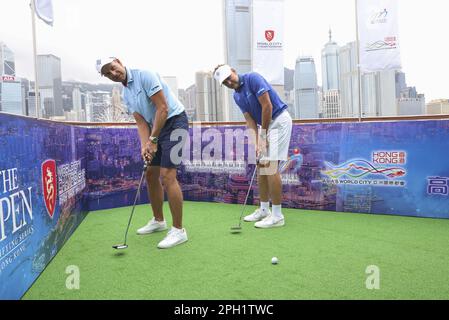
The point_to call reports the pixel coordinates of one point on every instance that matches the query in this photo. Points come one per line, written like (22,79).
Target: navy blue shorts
(163,158)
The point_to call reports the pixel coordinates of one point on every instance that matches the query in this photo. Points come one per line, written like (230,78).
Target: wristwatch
(154,140)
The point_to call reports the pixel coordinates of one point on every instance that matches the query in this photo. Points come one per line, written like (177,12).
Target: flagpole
(359,75)
(36,84)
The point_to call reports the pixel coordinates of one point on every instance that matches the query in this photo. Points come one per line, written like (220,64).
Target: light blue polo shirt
(141,86)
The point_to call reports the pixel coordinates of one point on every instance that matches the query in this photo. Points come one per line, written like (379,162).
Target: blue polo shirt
(141,86)
(252,86)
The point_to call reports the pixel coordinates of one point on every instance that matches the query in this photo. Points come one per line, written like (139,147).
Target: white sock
(277,211)
(176,229)
(265,206)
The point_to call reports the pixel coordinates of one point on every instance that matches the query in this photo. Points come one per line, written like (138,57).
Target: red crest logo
(269,35)
(49,185)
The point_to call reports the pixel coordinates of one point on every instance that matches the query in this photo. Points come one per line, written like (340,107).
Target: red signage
(49,185)
(269,35)
(8,78)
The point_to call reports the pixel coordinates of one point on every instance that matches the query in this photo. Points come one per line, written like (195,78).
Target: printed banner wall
(378,35)
(114,167)
(268,40)
(379,168)
(42,177)
(51,174)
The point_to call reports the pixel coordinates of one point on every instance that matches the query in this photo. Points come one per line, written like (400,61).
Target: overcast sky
(180,37)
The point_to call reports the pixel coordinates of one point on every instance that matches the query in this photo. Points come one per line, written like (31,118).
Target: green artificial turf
(322,255)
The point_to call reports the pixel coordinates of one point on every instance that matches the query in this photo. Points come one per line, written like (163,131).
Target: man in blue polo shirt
(262,107)
(158,113)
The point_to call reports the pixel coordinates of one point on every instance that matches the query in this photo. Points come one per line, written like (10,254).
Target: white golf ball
(274,260)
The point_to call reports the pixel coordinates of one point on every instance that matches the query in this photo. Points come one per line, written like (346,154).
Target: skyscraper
(306,89)
(80,113)
(11,95)
(330,65)
(381,93)
(440,106)
(349,81)
(412,106)
(172,83)
(7,64)
(11,99)
(209,98)
(237,26)
(188,99)
(50,84)
(331,104)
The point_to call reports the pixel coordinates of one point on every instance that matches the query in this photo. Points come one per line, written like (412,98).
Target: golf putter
(125,245)
(238,228)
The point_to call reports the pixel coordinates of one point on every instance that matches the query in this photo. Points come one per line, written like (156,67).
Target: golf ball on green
(274,260)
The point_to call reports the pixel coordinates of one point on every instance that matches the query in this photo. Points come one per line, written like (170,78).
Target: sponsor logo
(8,78)
(388,157)
(386,44)
(269,44)
(49,184)
(379,17)
(269,35)
(384,169)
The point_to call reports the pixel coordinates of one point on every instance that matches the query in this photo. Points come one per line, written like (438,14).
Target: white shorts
(279,135)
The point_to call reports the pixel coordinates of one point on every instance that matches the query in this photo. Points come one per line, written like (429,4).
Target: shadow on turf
(119,254)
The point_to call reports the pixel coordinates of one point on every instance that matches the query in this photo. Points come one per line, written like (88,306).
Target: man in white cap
(158,113)
(261,106)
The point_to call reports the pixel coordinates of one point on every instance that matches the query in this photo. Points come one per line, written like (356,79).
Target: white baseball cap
(104,61)
(222,73)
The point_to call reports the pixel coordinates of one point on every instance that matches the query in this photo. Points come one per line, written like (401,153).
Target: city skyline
(385,93)
(77,18)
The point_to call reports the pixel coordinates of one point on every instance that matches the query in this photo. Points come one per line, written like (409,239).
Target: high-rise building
(7,61)
(331,104)
(330,65)
(50,84)
(349,81)
(25,86)
(89,107)
(172,83)
(11,100)
(384,93)
(76,101)
(99,102)
(306,89)
(401,85)
(412,106)
(440,106)
(188,99)
(31,97)
(237,26)
(209,98)
(379,94)
(11,95)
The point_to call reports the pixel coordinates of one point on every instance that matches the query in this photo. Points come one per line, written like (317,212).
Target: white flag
(268,40)
(378,35)
(44,10)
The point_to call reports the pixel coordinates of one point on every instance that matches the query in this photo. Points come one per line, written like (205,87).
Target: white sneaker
(173,238)
(257,215)
(270,222)
(153,226)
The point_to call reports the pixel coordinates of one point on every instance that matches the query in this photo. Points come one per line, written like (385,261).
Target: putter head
(236,229)
(120,246)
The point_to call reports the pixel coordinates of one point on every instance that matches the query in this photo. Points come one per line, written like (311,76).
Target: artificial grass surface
(322,255)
